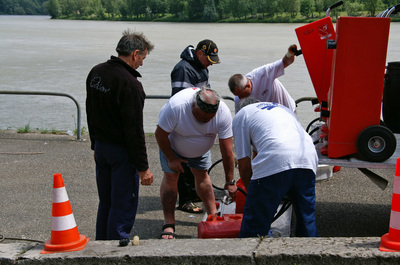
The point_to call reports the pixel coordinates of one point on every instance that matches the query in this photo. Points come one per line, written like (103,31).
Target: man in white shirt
(262,83)
(187,129)
(285,165)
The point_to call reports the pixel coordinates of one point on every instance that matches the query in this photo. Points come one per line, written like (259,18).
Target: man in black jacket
(191,71)
(114,107)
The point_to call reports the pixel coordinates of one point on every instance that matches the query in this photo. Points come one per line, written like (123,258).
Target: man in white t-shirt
(262,83)
(285,165)
(187,128)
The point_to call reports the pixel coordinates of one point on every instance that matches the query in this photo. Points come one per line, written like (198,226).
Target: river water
(40,54)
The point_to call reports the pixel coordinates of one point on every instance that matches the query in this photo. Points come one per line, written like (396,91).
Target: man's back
(276,135)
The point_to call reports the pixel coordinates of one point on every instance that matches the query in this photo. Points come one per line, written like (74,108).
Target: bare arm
(245,170)
(165,145)
(228,160)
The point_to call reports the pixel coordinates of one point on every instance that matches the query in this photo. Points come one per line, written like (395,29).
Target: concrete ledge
(211,251)
(335,250)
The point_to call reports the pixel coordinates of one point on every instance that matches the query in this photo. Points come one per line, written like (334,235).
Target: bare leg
(204,190)
(169,194)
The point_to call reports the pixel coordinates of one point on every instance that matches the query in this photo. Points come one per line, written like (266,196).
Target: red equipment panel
(312,39)
(227,226)
(355,94)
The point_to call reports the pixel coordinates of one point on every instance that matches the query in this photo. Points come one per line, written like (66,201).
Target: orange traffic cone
(64,232)
(391,241)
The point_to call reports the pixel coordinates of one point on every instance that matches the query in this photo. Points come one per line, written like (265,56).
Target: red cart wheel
(376,143)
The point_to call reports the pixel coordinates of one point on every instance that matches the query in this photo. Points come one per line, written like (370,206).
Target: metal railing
(42,93)
(78,131)
(167,97)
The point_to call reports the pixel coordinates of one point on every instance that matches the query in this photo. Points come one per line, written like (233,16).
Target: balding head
(207,100)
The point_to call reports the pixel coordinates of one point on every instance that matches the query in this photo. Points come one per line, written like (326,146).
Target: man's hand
(146,177)
(288,59)
(176,164)
(291,51)
(232,189)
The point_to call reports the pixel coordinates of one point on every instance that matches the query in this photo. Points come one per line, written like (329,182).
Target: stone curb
(363,250)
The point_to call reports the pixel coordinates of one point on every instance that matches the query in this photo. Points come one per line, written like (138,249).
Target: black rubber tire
(376,143)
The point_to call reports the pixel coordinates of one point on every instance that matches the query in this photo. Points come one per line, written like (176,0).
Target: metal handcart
(347,69)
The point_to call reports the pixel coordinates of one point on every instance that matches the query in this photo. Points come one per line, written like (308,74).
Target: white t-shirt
(278,137)
(266,86)
(189,137)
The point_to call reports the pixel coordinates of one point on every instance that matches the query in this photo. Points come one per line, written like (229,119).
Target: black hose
(286,203)
(311,123)
(314,130)
(2,238)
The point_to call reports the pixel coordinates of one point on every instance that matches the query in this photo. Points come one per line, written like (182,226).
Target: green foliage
(22,7)
(239,8)
(354,9)
(25,129)
(307,8)
(278,11)
(372,6)
(195,9)
(54,9)
(83,131)
(209,12)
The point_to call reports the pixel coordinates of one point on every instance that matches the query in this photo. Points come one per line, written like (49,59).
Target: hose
(2,238)
(286,203)
(311,123)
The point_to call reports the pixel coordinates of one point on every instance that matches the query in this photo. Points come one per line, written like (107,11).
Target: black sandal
(168,233)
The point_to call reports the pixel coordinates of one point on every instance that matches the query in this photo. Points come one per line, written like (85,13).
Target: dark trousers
(118,189)
(186,186)
(264,196)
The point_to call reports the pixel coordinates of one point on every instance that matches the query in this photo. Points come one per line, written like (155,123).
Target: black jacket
(114,107)
(189,72)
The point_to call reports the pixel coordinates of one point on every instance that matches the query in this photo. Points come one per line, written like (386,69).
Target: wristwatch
(231,182)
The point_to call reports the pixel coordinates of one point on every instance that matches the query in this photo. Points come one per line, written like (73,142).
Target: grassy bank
(282,18)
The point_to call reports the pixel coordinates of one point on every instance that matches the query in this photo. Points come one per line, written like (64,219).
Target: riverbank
(284,18)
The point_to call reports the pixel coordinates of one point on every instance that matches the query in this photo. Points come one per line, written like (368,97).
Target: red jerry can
(226,226)
(355,93)
(313,42)
(240,197)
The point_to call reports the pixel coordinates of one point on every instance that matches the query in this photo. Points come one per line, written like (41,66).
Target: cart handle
(392,10)
(332,7)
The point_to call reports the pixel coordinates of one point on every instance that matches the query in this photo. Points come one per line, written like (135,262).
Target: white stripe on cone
(63,223)
(60,195)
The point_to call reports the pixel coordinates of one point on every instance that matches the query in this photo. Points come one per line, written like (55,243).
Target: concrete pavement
(352,214)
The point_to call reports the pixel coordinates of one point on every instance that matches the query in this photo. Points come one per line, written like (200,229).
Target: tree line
(23,7)
(192,10)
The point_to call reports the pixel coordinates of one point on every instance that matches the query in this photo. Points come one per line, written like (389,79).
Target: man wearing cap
(192,71)
(262,83)
(187,128)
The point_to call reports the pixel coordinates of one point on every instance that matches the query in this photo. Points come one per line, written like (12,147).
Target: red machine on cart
(347,69)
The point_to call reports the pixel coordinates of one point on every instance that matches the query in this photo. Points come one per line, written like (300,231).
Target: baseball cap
(210,49)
